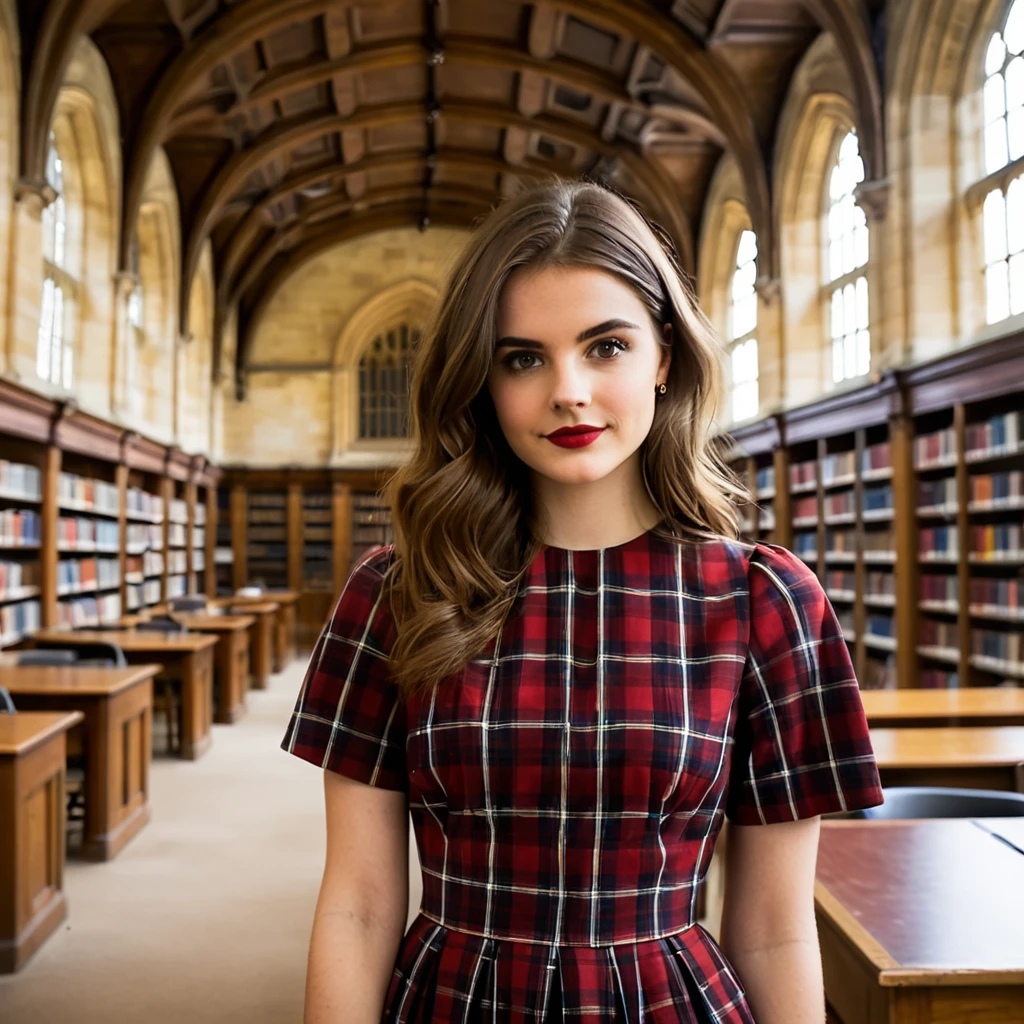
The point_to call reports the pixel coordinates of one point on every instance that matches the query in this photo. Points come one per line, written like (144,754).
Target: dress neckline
(613,547)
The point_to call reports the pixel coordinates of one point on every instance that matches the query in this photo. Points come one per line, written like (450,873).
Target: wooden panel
(239,536)
(48,537)
(907,582)
(295,536)
(342,534)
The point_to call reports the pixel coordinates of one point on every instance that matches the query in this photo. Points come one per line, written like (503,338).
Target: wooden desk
(118,706)
(230,659)
(920,921)
(261,638)
(976,757)
(284,633)
(32,905)
(903,709)
(184,656)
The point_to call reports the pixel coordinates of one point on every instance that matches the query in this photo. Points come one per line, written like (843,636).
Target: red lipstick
(575,437)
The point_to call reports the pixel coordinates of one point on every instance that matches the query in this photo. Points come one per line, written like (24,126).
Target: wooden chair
(166,690)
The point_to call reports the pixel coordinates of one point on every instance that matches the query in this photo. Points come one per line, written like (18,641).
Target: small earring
(660,389)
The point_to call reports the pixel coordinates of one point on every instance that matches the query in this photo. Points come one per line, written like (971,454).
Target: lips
(582,428)
(575,437)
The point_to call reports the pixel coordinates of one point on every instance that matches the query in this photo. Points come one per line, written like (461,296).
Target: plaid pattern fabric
(568,786)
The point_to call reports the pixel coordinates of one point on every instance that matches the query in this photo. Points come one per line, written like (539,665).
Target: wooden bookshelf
(907,498)
(267,536)
(98,539)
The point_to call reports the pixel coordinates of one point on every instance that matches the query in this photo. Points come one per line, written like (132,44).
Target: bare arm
(768,928)
(363,903)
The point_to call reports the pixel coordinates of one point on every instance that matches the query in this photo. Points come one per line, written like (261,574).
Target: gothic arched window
(384,384)
(54,354)
(743,329)
(846,283)
(1003,212)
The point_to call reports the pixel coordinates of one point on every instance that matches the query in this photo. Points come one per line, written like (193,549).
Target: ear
(666,353)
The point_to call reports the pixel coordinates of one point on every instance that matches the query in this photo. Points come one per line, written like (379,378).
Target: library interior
(225,228)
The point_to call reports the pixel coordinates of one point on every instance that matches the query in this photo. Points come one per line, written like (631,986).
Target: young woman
(569,670)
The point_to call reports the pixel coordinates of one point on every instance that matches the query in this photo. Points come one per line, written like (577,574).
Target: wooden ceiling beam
(288,135)
(345,229)
(850,25)
(216,44)
(248,229)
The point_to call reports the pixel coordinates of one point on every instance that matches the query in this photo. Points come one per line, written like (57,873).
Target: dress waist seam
(636,939)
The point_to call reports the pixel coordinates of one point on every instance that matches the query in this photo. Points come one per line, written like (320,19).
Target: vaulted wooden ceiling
(292,125)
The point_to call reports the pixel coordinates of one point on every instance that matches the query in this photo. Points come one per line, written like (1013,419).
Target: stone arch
(412,302)
(808,144)
(158,343)
(196,361)
(934,120)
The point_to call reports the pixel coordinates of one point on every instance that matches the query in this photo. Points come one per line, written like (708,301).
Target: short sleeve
(801,745)
(350,717)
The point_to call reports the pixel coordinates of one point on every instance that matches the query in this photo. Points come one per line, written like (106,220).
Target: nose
(570,387)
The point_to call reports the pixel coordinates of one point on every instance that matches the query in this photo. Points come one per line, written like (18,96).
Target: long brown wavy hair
(465,524)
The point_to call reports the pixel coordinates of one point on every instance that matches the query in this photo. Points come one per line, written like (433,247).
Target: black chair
(48,656)
(161,624)
(6,704)
(191,603)
(943,802)
(100,656)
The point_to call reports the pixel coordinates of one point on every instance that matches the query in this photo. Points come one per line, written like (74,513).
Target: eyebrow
(590,332)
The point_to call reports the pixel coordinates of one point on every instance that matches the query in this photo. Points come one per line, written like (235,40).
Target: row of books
(802,473)
(876,457)
(89,611)
(880,584)
(938,679)
(15,576)
(1003,646)
(20,481)
(198,537)
(177,511)
(840,580)
(938,542)
(997,488)
(996,435)
(944,589)
(936,633)
(19,528)
(177,561)
(879,674)
(88,494)
(138,595)
(939,493)
(144,537)
(77,533)
(142,504)
(200,514)
(176,535)
(78,575)
(939,447)
(805,544)
(805,508)
(998,596)
(766,479)
(880,625)
(996,543)
(839,504)
(838,466)
(176,586)
(877,499)
(18,619)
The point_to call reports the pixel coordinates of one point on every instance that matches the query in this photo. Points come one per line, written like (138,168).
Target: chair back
(161,624)
(191,603)
(48,656)
(6,704)
(100,656)
(945,802)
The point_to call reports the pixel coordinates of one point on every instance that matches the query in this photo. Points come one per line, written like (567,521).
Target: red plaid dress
(567,787)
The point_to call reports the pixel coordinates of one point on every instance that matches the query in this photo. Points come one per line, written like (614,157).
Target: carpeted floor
(205,915)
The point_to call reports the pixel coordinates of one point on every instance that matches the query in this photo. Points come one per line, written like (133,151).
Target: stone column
(770,345)
(122,363)
(25,278)
(873,198)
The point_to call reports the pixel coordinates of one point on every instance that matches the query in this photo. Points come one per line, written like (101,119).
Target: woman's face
(575,347)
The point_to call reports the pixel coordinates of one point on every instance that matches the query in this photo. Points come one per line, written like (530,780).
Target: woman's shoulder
(756,562)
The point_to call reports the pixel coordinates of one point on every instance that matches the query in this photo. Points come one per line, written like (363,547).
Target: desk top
(21,732)
(950,747)
(280,596)
(130,640)
(68,679)
(214,623)
(923,899)
(973,702)
(258,608)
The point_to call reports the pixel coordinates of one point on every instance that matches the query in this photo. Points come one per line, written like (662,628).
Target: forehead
(557,300)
